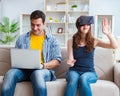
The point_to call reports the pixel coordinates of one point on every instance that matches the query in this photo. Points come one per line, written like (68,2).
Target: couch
(108,73)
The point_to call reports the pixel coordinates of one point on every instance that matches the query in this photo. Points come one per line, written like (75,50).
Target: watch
(42,66)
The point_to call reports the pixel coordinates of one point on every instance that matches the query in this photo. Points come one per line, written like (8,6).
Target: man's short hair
(37,14)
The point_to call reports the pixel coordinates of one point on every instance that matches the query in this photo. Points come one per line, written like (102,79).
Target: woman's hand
(71,62)
(106,26)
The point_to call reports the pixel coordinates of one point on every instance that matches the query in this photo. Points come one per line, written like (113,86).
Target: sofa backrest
(103,63)
(4,60)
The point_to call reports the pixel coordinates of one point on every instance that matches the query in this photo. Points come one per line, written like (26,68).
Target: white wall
(107,7)
(13,8)
(0,9)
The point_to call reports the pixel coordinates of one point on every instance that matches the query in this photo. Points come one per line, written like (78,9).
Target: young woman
(81,56)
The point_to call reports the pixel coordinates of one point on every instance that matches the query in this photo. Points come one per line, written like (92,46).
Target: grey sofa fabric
(108,73)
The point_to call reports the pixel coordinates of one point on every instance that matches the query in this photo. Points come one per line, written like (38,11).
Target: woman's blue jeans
(37,77)
(81,81)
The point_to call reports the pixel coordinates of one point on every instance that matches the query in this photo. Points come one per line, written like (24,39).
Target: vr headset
(82,20)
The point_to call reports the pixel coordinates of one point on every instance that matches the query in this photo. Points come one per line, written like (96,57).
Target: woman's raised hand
(106,26)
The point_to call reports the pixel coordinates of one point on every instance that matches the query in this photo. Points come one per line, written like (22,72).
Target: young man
(38,39)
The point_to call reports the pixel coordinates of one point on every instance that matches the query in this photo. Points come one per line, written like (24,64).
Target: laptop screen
(25,58)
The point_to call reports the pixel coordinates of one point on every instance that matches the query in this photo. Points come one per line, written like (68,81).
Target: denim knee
(88,77)
(40,76)
(9,82)
(72,77)
(37,74)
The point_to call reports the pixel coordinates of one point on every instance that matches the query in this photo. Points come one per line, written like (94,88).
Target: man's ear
(45,26)
(44,23)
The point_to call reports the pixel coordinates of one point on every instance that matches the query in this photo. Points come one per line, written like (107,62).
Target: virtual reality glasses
(82,20)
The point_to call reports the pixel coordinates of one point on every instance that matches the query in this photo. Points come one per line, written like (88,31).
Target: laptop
(25,59)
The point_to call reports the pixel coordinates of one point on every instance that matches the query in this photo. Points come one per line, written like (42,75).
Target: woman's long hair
(89,39)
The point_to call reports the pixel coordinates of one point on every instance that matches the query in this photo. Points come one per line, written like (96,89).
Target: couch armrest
(117,75)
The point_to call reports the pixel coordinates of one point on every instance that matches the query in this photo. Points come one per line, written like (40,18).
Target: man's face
(37,26)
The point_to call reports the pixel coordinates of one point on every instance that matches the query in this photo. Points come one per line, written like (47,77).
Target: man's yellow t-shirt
(36,42)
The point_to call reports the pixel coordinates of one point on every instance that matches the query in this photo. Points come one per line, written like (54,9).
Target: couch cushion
(57,88)
(104,63)
(62,69)
(4,60)
(54,88)
(104,88)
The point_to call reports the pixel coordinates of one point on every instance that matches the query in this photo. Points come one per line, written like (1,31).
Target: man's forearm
(51,64)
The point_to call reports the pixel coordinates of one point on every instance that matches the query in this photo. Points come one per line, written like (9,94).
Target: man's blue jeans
(37,77)
(79,80)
